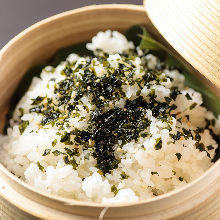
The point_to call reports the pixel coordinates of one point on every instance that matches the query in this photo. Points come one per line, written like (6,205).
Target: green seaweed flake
(22,126)
(57,153)
(46,152)
(158,144)
(193,106)
(41,168)
(114,189)
(54,142)
(124,176)
(38,100)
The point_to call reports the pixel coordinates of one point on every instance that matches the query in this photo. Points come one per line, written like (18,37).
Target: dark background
(16,15)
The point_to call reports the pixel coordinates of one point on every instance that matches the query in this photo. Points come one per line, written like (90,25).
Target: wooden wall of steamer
(198,200)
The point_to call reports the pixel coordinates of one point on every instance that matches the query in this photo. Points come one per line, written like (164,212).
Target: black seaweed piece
(178,155)
(158,144)
(176,136)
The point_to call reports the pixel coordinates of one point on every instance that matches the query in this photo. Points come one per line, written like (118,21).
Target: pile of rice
(166,153)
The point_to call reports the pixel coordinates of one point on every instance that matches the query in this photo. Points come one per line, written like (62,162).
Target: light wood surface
(192,27)
(198,200)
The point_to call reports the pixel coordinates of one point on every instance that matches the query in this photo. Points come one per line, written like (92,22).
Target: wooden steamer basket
(198,200)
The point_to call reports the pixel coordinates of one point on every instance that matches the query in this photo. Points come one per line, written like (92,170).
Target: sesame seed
(73,95)
(102,98)
(119,149)
(91,142)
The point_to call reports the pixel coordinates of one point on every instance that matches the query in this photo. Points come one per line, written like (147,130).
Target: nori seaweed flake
(193,106)
(124,176)
(38,100)
(187,133)
(210,147)
(174,93)
(178,155)
(181,179)
(46,152)
(41,168)
(57,153)
(114,189)
(21,110)
(188,96)
(54,142)
(158,144)
(176,136)
(22,126)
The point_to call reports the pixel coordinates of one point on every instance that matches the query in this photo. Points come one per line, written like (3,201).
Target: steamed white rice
(143,170)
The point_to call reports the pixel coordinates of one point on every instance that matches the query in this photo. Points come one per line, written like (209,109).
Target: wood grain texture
(40,42)
(193,29)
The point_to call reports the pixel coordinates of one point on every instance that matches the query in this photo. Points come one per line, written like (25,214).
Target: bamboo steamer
(198,200)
